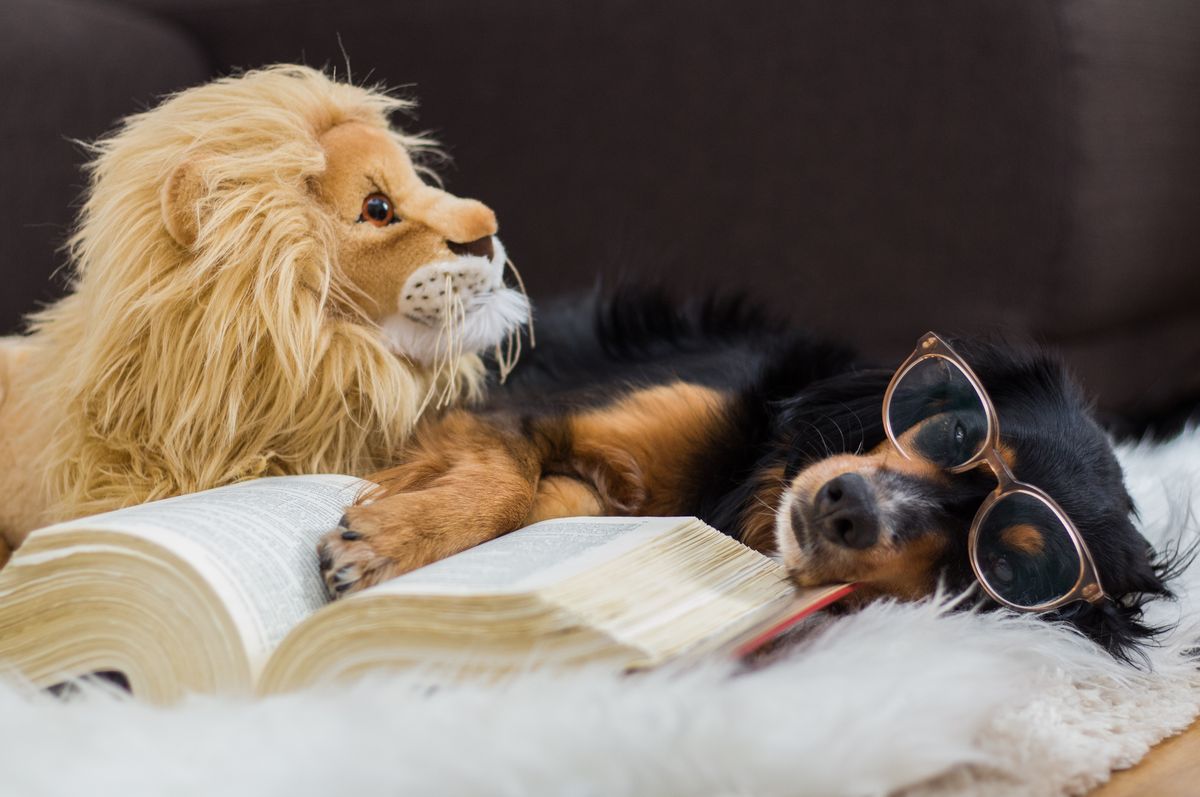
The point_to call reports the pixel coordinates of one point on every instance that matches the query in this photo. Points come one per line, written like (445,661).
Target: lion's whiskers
(446,380)
(456,315)
(443,351)
(507,356)
(529,318)
(509,352)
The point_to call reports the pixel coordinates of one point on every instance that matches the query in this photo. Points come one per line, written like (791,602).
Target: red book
(807,602)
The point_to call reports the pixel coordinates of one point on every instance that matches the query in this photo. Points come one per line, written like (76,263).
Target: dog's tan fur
(469,478)
(1024,537)
(222,316)
(563,496)
(758,522)
(637,452)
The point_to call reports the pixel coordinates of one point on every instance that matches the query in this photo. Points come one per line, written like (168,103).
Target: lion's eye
(378,210)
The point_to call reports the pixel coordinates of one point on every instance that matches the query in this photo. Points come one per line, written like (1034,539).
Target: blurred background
(872,168)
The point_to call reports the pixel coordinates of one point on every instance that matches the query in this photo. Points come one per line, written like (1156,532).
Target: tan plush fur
(223,318)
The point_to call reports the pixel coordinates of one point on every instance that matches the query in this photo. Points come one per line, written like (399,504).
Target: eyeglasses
(1025,551)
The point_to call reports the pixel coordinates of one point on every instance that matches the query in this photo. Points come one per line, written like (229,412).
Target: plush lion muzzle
(457,302)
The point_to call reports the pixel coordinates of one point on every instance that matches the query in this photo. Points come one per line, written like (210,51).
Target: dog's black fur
(796,400)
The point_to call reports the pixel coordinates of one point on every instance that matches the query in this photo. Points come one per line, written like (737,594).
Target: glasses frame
(1087,584)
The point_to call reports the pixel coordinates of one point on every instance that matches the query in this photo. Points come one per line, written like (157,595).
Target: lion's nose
(480,247)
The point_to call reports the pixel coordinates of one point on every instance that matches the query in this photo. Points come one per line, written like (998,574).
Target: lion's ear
(180,200)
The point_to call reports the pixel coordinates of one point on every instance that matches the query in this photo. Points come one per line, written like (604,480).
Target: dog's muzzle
(843,512)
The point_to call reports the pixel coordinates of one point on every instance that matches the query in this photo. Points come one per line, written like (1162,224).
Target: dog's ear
(1117,623)
(180,203)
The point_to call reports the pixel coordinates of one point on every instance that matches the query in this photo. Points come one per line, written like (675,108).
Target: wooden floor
(1172,769)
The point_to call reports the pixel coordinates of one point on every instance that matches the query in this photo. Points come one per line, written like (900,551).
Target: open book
(220,592)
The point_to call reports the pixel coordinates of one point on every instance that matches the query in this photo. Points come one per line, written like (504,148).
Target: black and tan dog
(636,405)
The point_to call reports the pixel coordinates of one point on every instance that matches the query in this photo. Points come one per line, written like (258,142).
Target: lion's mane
(168,368)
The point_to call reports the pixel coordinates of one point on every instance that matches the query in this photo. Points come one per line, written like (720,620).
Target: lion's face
(257,291)
(425,265)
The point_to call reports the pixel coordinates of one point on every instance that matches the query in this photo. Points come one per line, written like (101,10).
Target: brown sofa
(872,168)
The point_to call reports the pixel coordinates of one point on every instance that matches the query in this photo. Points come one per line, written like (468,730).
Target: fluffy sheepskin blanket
(897,698)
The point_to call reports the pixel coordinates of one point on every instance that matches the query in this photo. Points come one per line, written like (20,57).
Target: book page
(255,541)
(528,558)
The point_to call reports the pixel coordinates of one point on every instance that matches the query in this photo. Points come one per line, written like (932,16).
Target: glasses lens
(1025,553)
(937,415)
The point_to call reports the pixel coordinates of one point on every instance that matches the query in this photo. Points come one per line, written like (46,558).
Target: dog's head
(853,508)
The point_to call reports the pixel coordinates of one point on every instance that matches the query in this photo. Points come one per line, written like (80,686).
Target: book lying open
(220,592)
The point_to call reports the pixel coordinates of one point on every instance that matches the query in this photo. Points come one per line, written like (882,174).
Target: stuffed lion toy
(262,284)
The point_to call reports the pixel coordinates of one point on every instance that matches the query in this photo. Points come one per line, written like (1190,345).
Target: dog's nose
(844,512)
(480,247)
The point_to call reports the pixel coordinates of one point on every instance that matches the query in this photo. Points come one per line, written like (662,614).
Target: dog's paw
(390,536)
(349,562)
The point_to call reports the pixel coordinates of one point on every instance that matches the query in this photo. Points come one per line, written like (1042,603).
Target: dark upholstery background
(872,167)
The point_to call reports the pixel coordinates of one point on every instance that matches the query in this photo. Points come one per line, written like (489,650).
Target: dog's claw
(348,562)
(351,554)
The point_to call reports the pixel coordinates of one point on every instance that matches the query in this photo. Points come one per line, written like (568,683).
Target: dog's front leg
(468,479)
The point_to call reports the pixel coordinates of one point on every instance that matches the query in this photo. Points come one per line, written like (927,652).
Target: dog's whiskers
(770,510)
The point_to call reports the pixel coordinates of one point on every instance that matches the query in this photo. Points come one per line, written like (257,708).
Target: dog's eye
(1000,569)
(947,439)
(960,436)
(377,209)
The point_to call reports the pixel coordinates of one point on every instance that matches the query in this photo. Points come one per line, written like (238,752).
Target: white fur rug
(903,698)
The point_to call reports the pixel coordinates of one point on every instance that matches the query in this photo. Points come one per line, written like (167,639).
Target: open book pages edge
(524,633)
(690,588)
(685,590)
(253,543)
(86,601)
(515,568)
